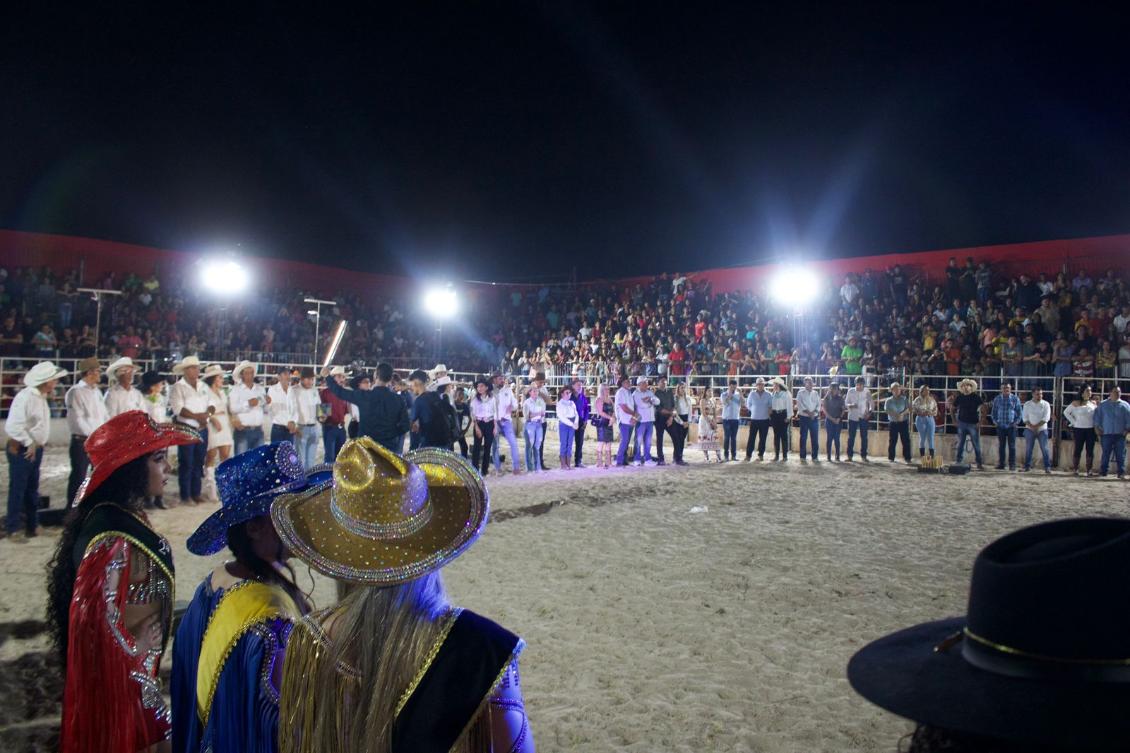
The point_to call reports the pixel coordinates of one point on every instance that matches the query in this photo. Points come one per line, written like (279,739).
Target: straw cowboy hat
(124,438)
(42,373)
(248,483)
(241,367)
(385,519)
(88,364)
(214,369)
(967,383)
(113,369)
(1043,655)
(439,376)
(185,363)
(778,381)
(338,371)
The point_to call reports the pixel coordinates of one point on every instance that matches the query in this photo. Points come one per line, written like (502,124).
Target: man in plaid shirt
(1006,413)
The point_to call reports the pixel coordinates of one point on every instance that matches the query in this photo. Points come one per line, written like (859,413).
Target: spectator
(246,401)
(759,403)
(626,418)
(304,405)
(28,427)
(1080,416)
(1007,414)
(533,410)
(122,395)
(731,418)
(834,407)
(897,408)
(925,410)
(808,415)
(484,412)
(507,406)
(645,402)
(220,438)
(968,407)
(780,417)
(566,425)
(858,404)
(1037,414)
(581,401)
(708,425)
(333,419)
(188,401)
(279,407)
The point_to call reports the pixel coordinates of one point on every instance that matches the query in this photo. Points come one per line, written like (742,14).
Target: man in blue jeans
(968,406)
(858,403)
(626,416)
(1037,414)
(731,419)
(1112,422)
(808,415)
(1006,413)
(645,402)
(28,428)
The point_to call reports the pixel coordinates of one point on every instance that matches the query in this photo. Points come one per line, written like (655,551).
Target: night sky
(523,140)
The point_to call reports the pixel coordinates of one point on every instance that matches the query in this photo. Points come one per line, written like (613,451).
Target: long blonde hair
(342,693)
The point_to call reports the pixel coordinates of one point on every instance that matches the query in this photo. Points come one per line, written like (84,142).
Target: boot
(209,492)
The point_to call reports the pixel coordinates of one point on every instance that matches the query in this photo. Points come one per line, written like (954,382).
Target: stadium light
(224,276)
(795,287)
(441,303)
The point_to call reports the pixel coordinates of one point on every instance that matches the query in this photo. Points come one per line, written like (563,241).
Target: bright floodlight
(441,303)
(794,287)
(225,277)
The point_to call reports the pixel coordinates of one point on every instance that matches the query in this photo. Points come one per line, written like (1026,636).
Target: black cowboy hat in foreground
(1043,655)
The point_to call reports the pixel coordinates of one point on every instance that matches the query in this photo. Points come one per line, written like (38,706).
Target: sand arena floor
(652,628)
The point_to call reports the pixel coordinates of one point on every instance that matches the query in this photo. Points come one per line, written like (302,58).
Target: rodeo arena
(695,496)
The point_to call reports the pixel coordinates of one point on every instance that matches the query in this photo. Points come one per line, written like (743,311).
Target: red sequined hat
(124,438)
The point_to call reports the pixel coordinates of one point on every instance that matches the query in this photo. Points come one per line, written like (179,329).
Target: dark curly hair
(126,488)
(240,545)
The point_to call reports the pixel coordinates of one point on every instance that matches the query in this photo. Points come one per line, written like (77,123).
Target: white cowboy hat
(779,381)
(214,369)
(760,380)
(641,380)
(971,382)
(442,381)
(186,362)
(42,373)
(241,366)
(439,371)
(121,363)
(338,371)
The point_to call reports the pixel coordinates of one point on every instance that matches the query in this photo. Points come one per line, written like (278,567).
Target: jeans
(678,437)
(809,427)
(306,441)
(535,434)
(1006,446)
(80,464)
(247,438)
(190,467)
(853,427)
(730,438)
(780,424)
(1113,444)
(625,440)
(280,434)
(643,433)
(506,429)
(1031,437)
(965,429)
(759,430)
(662,428)
(898,430)
(1084,439)
(333,437)
(925,426)
(566,434)
(23,491)
(833,429)
(578,442)
(480,450)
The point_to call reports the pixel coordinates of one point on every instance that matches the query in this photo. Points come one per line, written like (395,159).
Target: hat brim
(164,436)
(212,535)
(903,674)
(59,374)
(460,506)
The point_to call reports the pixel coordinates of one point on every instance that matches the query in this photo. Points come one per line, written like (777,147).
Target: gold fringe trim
(449,622)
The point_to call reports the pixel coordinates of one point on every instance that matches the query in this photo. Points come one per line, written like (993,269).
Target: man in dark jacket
(383,415)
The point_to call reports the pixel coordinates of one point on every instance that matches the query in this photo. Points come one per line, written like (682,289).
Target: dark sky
(506,140)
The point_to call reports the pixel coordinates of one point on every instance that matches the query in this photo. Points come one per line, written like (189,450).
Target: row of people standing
(393,665)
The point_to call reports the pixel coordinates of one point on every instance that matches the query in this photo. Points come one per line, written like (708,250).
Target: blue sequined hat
(248,483)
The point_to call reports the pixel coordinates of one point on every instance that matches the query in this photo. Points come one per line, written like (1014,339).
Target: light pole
(97,294)
(316,312)
(441,303)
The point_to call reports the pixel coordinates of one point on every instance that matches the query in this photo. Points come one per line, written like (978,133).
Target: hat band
(1013,662)
(381,531)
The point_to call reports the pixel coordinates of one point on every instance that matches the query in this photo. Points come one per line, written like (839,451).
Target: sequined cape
(243,714)
(112,701)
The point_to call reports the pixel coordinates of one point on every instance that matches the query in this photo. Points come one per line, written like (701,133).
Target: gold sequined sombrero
(385,519)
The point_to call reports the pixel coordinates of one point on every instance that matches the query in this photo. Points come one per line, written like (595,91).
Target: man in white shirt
(278,407)
(86,411)
(28,427)
(188,401)
(122,395)
(1037,414)
(245,403)
(758,402)
(645,402)
(858,404)
(304,401)
(507,404)
(626,417)
(731,419)
(808,416)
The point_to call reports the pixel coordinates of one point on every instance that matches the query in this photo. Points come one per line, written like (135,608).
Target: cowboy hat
(338,371)
(124,438)
(385,519)
(641,380)
(241,367)
(778,381)
(1043,655)
(121,363)
(88,364)
(439,376)
(214,369)
(248,483)
(967,382)
(185,363)
(42,373)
